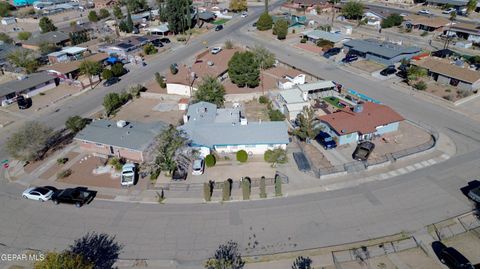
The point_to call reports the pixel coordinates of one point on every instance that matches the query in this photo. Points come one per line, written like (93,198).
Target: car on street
(424,12)
(326,140)
(179,174)
(474,194)
(38,194)
(22,102)
(350,58)
(451,257)
(244,14)
(363,151)
(77,196)
(109,82)
(332,52)
(448,11)
(198,167)
(129,173)
(390,70)
(215,50)
(218,27)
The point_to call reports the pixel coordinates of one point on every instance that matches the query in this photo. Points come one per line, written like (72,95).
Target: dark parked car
(390,70)
(179,174)
(111,81)
(474,194)
(165,40)
(451,257)
(326,140)
(350,58)
(157,43)
(332,52)
(22,102)
(363,150)
(78,196)
(219,27)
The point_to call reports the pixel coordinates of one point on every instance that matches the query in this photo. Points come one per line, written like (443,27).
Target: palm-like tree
(90,69)
(471,5)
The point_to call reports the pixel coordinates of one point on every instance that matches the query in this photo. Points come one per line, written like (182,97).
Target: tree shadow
(99,249)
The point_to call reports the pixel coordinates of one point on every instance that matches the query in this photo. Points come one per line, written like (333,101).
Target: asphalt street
(188,234)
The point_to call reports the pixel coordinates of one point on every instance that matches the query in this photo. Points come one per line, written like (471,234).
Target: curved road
(190,233)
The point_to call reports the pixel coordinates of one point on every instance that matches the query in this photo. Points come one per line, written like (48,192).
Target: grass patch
(334,101)
(220,21)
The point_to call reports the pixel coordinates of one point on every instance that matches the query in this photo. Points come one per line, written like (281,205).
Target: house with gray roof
(129,140)
(227,130)
(315,35)
(57,38)
(28,86)
(383,52)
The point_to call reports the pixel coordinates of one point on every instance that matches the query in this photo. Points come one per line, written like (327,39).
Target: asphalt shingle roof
(319,34)
(382,48)
(30,81)
(50,37)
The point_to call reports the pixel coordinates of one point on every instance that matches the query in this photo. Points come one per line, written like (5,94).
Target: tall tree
(178,15)
(210,90)
(46,25)
(117,12)
(308,124)
(25,59)
(90,69)
(266,6)
(264,22)
(280,29)
(75,124)
(263,57)
(5,9)
(167,148)
(471,5)
(136,5)
(129,22)
(353,10)
(244,70)
(238,5)
(227,256)
(101,250)
(93,16)
(29,142)
(64,260)
(104,13)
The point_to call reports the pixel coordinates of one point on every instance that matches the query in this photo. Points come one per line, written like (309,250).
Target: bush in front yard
(303,40)
(226,191)
(421,86)
(154,174)
(242,156)
(207,192)
(278,186)
(210,160)
(263,99)
(246,188)
(263,188)
(62,160)
(64,173)
(116,163)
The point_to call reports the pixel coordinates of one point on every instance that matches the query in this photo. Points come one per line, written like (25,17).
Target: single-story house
(362,122)
(71,70)
(207,16)
(67,54)
(292,102)
(226,130)
(8,20)
(288,82)
(127,45)
(455,3)
(315,35)
(185,81)
(321,88)
(28,85)
(444,72)
(56,37)
(383,52)
(425,23)
(467,31)
(5,50)
(161,29)
(129,140)
(293,20)
(104,3)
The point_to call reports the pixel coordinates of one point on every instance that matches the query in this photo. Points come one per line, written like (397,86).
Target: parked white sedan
(38,194)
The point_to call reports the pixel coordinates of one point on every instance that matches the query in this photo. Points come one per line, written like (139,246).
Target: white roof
(160,28)
(292,96)
(73,50)
(321,84)
(297,107)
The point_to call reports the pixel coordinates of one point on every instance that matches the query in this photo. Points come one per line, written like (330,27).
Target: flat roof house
(67,54)
(320,88)
(29,85)
(444,72)
(361,122)
(292,102)
(383,52)
(56,37)
(129,140)
(226,130)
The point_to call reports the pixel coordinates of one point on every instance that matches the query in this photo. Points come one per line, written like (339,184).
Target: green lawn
(220,21)
(334,101)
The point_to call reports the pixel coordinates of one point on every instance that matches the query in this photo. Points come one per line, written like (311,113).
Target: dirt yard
(316,157)
(142,109)
(446,92)
(367,66)
(256,111)
(54,169)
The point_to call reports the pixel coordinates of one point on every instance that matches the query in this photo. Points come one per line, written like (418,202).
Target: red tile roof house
(362,122)
(206,63)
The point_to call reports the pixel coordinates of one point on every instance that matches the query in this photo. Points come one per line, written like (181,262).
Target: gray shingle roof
(135,135)
(50,37)
(30,81)
(385,49)
(6,49)
(319,34)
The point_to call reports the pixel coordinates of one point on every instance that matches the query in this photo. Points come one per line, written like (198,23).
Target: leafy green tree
(243,69)
(24,35)
(64,260)
(210,160)
(79,37)
(29,141)
(93,16)
(25,59)
(107,74)
(136,5)
(281,29)
(414,72)
(6,38)
(421,86)
(276,115)
(118,69)
(129,22)
(6,9)
(227,256)
(353,10)
(167,149)
(75,123)
(238,5)
(325,44)
(123,27)
(308,125)
(326,28)
(302,263)
(264,58)
(392,20)
(117,12)
(101,250)
(46,25)
(104,13)
(178,15)
(275,156)
(47,47)
(149,49)
(471,5)
(160,80)
(90,69)
(242,156)
(265,22)
(111,102)
(210,90)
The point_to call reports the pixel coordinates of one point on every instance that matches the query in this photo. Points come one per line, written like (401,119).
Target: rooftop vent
(358,108)
(121,123)
(210,63)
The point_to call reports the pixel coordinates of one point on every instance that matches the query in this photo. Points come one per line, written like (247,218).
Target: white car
(244,14)
(448,11)
(128,174)
(425,12)
(198,167)
(215,50)
(38,194)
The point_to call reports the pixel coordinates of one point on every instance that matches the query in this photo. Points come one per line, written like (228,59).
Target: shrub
(116,163)
(263,99)
(154,174)
(210,160)
(149,49)
(226,191)
(264,22)
(135,90)
(278,186)
(275,156)
(293,31)
(448,97)
(228,44)
(207,192)
(424,33)
(303,40)
(325,44)
(117,69)
(246,188)
(62,160)
(392,20)
(181,38)
(160,80)
(421,86)
(276,115)
(242,156)
(464,93)
(263,188)
(107,74)
(64,173)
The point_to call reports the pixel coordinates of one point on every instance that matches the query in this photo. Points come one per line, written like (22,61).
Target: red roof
(364,122)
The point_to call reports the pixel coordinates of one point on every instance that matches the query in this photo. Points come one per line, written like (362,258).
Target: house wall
(179,89)
(476,85)
(392,127)
(103,149)
(354,137)
(250,149)
(464,86)
(346,139)
(41,88)
(443,80)
(474,38)
(390,61)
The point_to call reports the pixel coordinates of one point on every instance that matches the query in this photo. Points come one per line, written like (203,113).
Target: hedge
(207,193)
(226,190)
(263,188)
(278,186)
(246,188)
(242,156)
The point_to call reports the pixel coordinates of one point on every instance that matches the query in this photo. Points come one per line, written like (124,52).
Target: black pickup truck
(78,196)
